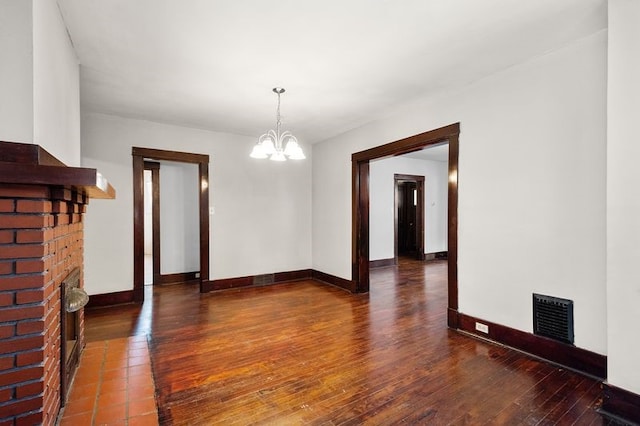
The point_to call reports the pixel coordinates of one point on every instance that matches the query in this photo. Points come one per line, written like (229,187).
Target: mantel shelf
(29,164)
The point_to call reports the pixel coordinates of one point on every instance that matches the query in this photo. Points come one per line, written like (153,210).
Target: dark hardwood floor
(307,352)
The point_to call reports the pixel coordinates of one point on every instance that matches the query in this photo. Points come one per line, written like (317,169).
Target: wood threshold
(381,263)
(180,277)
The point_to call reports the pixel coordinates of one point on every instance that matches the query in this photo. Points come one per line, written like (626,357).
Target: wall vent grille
(553,317)
(263,279)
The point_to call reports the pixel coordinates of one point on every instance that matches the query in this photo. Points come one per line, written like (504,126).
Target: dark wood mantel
(28,164)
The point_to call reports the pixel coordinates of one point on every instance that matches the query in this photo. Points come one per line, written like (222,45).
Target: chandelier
(270,145)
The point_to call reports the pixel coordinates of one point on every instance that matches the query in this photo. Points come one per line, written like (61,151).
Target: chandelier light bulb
(258,152)
(292,145)
(268,146)
(297,154)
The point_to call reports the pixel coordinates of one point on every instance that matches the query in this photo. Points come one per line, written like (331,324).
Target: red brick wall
(41,241)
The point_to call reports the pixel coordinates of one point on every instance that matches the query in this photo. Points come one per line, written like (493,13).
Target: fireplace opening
(72,300)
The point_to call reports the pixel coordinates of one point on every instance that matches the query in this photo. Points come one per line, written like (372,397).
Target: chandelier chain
(278,120)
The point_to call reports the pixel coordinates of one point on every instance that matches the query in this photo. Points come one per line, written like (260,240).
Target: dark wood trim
(248,281)
(138,229)
(302,274)
(355,223)
(139,155)
(360,226)
(410,144)
(395,221)
(227,283)
(279,277)
(561,353)
(203,173)
(333,280)
(155,213)
(620,403)
(155,208)
(29,164)
(436,255)
(180,277)
(452,233)
(85,181)
(420,185)
(360,206)
(381,263)
(161,154)
(110,299)
(27,153)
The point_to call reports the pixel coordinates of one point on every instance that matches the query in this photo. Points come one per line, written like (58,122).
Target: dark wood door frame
(419,181)
(360,207)
(154,168)
(139,156)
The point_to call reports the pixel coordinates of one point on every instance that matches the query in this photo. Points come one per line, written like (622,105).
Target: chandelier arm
(288,134)
(273,135)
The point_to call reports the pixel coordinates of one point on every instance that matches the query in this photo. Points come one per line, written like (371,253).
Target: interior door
(407,221)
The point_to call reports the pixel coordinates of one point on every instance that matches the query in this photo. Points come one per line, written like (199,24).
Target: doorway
(409,216)
(140,156)
(360,207)
(151,222)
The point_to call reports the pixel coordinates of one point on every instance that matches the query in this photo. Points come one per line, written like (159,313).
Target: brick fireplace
(42,203)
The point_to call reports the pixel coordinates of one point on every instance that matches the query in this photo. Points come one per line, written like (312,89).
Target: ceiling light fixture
(270,144)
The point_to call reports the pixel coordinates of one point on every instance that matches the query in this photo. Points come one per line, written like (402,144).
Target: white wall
(39,79)
(56,85)
(623,204)
(381,203)
(531,187)
(16,71)
(262,217)
(179,218)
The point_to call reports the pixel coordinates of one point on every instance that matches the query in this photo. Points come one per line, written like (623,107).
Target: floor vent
(553,317)
(263,279)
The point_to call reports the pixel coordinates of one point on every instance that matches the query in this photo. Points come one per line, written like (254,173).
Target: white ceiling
(211,64)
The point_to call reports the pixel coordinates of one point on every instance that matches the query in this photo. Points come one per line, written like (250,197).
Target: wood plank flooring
(310,353)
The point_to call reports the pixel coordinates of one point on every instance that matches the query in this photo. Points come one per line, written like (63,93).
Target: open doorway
(409,216)
(143,158)
(171,241)
(360,207)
